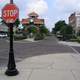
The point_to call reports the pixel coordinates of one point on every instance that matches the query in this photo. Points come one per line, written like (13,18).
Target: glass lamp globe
(31,20)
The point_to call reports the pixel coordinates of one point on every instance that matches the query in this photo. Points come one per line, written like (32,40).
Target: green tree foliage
(67,32)
(32,30)
(59,25)
(17,23)
(69,29)
(64,29)
(44,30)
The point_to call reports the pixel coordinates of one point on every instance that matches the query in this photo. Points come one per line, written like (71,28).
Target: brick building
(74,21)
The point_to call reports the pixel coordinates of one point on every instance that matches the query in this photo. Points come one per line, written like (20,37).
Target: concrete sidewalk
(70,43)
(64,66)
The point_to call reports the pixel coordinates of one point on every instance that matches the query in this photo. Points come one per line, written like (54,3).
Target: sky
(51,10)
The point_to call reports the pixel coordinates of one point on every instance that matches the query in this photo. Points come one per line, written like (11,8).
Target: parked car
(3,35)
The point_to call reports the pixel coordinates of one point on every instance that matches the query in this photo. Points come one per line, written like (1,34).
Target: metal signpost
(10,13)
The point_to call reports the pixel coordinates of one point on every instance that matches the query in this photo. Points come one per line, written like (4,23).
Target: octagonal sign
(10,13)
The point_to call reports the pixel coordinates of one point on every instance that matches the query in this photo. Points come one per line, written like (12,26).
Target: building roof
(25,21)
(35,18)
(33,14)
(36,21)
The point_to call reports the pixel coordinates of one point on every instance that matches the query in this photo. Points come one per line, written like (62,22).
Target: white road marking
(70,44)
(74,50)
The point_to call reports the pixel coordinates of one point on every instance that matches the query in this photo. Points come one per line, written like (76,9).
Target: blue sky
(50,10)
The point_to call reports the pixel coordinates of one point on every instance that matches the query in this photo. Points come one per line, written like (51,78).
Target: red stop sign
(10,13)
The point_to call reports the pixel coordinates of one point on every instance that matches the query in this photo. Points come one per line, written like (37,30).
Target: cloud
(68,5)
(38,6)
(2,3)
(27,6)
(2,0)
(63,8)
(21,4)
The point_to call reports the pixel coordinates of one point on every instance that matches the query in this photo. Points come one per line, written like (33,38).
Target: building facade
(74,21)
(3,27)
(34,19)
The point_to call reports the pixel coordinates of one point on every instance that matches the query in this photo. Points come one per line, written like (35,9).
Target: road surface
(24,50)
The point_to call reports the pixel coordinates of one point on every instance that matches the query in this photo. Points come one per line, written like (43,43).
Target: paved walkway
(29,40)
(64,66)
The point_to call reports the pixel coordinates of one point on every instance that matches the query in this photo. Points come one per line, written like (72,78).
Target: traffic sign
(10,13)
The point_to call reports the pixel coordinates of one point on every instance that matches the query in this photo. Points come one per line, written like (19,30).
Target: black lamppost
(11,71)
(31,22)
(11,1)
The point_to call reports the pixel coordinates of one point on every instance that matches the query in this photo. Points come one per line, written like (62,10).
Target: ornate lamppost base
(12,72)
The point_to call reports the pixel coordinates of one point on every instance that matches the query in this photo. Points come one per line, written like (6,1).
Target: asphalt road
(24,50)
(77,49)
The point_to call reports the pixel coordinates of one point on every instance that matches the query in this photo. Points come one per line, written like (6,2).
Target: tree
(67,32)
(44,30)
(17,23)
(32,30)
(58,25)
(63,29)
(53,31)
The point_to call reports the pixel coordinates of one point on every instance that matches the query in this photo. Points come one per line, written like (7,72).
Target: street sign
(10,13)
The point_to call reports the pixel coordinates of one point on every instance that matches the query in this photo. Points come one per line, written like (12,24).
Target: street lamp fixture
(31,21)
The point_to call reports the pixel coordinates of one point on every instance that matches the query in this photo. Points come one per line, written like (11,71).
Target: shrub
(19,37)
(39,36)
(73,40)
(74,37)
(78,39)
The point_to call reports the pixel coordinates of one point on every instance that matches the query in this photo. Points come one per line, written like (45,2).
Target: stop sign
(10,13)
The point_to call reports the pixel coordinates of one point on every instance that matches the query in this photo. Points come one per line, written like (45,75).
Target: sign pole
(11,71)
(11,1)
